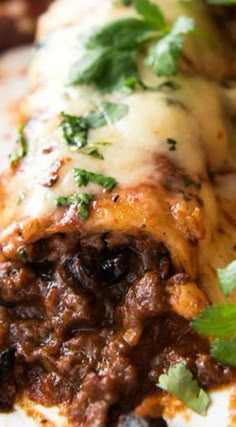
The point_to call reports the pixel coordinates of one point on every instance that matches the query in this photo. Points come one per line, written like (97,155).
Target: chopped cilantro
(189,181)
(112,51)
(110,113)
(23,147)
(172,144)
(75,129)
(227,278)
(80,200)
(224,351)
(217,320)
(22,254)
(92,150)
(83,177)
(179,382)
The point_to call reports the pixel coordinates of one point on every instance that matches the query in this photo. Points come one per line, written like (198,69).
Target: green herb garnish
(22,254)
(92,150)
(83,177)
(179,382)
(151,13)
(189,181)
(81,201)
(23,147)
(224,351)
(227,278)
(164,55)
(111,58)
(217,320)
(76,129)
(172,144)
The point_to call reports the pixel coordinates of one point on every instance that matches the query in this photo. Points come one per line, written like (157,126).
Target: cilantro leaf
(179,382)
(109,113)
(163,56)
(107,68)
(23,147)
(227,278)
(80,200)
(126,33)
(189,181)
(83,177)
(111,59)
(151,13)
(224,351)
(217,320)
(75,130)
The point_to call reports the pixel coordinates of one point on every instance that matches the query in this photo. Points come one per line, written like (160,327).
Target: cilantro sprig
(112,51)
(22,149)
(227,278)
(179,382)
(164,55)
(75,129)
(219,321)
(81,201)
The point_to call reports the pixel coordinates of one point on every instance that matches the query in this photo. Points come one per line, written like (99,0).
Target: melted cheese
(13,83)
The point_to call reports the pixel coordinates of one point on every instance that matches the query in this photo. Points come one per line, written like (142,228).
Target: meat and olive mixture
(91,324)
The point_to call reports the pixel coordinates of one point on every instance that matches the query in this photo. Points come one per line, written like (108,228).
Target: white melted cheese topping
(135,140)
(193,115)
(13,83)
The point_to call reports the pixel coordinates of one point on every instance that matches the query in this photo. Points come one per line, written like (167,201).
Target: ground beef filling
(90,324)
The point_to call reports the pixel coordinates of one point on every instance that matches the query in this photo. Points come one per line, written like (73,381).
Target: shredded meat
(90,324)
